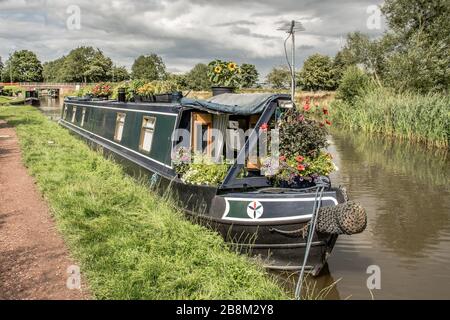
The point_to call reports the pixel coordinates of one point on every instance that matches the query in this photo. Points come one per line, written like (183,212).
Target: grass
(5,100)
(130,243)
(420,118)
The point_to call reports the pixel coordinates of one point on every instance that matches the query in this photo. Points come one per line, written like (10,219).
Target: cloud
(183,32)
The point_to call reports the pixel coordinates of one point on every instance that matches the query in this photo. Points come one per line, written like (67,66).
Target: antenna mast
(291,27)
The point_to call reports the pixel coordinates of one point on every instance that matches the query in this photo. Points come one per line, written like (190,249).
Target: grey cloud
(183,32)
(233,23)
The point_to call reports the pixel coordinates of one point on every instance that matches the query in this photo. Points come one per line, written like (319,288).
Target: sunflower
(232,66)
(218,69)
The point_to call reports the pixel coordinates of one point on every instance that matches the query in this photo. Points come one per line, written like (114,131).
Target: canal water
(406,192)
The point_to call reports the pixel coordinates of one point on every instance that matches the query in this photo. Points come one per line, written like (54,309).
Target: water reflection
(51,107)
(405,191)
(404,187)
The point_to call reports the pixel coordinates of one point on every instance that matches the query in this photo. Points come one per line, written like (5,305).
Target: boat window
(74,113)
(83,116)
(148,127)
(201,128)
(120,123)
(253,162)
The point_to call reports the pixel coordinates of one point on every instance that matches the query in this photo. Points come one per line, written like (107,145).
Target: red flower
(328,122)
(307,100)
(300,167)
(264,126)
(325,111)
(306,107)
(301,118)
(282,158)
(299,158)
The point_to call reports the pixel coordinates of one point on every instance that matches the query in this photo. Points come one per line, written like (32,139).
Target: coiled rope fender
(345,218)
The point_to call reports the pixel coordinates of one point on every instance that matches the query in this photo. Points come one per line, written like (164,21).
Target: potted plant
(200,169)
(301,159)
(146,93)
(224,75)
(102,90)
(166,91)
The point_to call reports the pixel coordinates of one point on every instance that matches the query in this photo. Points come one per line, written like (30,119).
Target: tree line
(88,64)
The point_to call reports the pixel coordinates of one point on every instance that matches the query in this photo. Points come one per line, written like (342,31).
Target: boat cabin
(224,127)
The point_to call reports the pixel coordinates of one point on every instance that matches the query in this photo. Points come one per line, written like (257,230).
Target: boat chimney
(121,96)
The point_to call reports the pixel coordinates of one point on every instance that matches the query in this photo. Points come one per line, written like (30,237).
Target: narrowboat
(253,216)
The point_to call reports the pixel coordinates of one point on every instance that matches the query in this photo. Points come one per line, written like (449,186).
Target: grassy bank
(421,118)
(4,100)
(131,244)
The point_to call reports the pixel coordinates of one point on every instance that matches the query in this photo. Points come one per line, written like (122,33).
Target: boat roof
(228,103)
(237,104)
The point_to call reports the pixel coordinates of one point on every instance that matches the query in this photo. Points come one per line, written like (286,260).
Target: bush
(354,83)
(300,136)
(11,91)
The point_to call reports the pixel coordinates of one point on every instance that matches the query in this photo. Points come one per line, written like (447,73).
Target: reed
(411,116)
(130,243)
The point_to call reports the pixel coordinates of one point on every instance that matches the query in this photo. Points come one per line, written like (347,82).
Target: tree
(1,66)
(149,67)
(422,66)
(371,54)
(249,75)
(317,73)
(179,80)
(22,66)
(197,79)
(118,74)
(421,32)
(413,53)
(355,83)
(83,64)
(52,70)
(279,78)
(405,18)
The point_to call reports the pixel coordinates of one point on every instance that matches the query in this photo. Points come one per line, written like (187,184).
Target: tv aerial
(291,28)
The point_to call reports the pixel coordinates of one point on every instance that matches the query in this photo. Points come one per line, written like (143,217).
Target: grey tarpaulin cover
(231,103)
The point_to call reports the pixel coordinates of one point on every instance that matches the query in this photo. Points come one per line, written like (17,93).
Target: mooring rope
(316,208)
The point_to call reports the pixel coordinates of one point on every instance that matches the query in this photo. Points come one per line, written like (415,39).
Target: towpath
(33,256)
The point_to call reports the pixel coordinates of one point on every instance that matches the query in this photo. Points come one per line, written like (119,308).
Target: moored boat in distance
(251,214)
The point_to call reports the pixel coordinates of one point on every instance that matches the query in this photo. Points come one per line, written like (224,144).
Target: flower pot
(136,98)
(168,97)
(216,90)
(101,98)
(298,183)
(140,98)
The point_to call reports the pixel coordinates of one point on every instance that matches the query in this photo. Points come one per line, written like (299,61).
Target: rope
(316,208)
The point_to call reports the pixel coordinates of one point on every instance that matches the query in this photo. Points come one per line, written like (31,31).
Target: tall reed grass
(421,118)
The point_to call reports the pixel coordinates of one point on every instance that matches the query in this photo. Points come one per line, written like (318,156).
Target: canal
(406,192)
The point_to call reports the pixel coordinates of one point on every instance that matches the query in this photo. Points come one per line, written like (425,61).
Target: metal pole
(293,62)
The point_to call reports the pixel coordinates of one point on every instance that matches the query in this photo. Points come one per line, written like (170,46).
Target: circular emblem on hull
(255,209)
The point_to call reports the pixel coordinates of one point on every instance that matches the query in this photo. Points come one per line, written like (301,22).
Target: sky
(184,32)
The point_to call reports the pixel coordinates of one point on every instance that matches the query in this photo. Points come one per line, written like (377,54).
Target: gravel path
(33,256)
